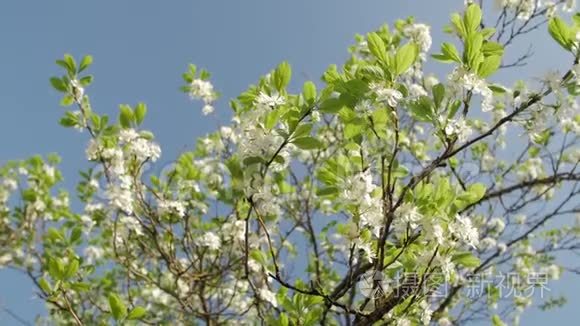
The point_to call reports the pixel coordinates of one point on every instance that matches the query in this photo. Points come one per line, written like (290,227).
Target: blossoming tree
(380,195)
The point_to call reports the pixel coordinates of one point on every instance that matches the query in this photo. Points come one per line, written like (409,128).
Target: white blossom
(459,128)
(93,254)
(462,79)
(210,240)
(273,100)
(401,321)
(464,231)
(389,96)
(496,224)
(269,296)
(171,206)
(10,184)
(207,109)
(421,34)
(120,198)
(202,89)
(407,216)
(131,223)
(501,247)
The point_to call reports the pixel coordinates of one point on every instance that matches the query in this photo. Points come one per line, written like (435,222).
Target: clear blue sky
(141,47)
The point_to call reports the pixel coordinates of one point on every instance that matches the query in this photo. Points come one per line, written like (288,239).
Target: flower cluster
(203,89)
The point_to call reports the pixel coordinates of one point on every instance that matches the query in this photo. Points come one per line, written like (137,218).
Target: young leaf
(377,46)
(118,308)
(405,57)
(86,80)
(560,32)
(458,25)
(58,84)
(309,92)
(488,32)
(126,116)
(422,109)
(466,259)
(282,76)
(442,58)
(492,48)
(438,94)
(85,62)
(307,143)
(67,100)
(70,63)
(45,286)
(137,313)
(71,269)
(473,55)
(472,18)
(489,66)
(451,52)
(331,105)
(140,112)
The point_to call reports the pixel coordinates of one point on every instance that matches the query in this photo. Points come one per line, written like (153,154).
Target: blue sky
(141,47)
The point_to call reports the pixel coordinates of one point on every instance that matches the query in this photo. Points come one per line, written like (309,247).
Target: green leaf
(331,105)
(473,55)
(452,109)
(86,80)
(75,235)
(80,286)
(71,64)
(137,313)
(54,235)
(492,48)
(302,130)
(377,46)
(405,57)
(458,25)
(282,76)
(438,94)
(560,32)
(489,66)
(67,100)
(466,259)
(352,130)
(126,116)
(85,62)
(118,308)
(472,195)
(309,92)
(441,58)
(328,191)
(422,109)
(259,256)
(307,143)
(58,84)
(45,286)
(272,119)
(476,191)
(496,321)
(497,89)
(55,268)
(487,32)
(284,320)
(253,160)
(472,18)
(449,50)
(71,269)
(140,112)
